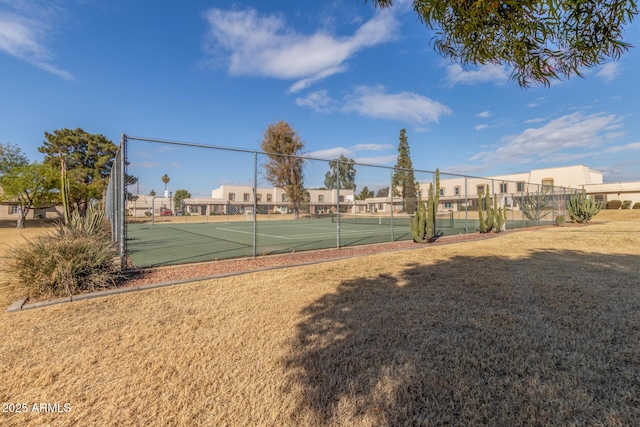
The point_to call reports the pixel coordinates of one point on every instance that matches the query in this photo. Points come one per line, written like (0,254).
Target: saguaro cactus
(423,224)
(419,223)
(434,200)
(486,224)
(499,216)
(496,217)
(582,208)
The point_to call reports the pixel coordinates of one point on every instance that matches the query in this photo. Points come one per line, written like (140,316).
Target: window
(246,197)
(269,198)
(448,205)
(380,206)
(520,186)
(547,182)
(258,197)
(456,191)
(503,187)
(321,198)
(13,209)
(232,197)
(341,199)
(480,190)
(442,191)
(285,198)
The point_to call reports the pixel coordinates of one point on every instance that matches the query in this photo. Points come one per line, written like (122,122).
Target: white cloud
(24,31)
(404,106)
(329,153)
(332,153)
(484,114)
(570,132)
(609,71)
(635,146)
(484,74)
(480,127)
(377,160)
(264,45)
(372,147)
(305,83)
(536,120)
(318,101)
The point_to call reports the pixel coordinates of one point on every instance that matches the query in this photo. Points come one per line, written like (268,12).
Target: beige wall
(54,212)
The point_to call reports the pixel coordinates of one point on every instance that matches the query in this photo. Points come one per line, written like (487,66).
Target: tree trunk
(22,215)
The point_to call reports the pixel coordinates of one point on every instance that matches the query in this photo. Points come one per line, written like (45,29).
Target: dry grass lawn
(532,328)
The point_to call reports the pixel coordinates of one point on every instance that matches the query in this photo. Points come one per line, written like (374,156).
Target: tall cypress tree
(404,182)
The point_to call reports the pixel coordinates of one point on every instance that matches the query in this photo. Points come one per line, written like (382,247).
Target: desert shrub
(561,220)
(626,204)
(614,204)
(636,205)
(65,262)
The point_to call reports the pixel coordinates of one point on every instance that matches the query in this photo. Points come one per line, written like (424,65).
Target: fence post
(337,201)
(466,208)
(391,200)
(538,206)
(122,198)
(255,203)
(522,204)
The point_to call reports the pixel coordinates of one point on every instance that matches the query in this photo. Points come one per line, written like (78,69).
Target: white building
(455,193)
(464,191)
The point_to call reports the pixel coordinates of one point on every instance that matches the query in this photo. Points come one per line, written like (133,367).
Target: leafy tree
(383,192)
(542,40)
(284,169)
(88,157)
(179,197)
(165,180)
(347,170)
(30,186)
(152,193)
(364,194)
(403,176)
(130,180)
(10,156)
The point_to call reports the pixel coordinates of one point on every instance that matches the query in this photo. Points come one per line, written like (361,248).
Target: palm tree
(165,179)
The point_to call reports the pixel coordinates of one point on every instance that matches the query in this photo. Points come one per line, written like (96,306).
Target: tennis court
(178,243)
(172,243)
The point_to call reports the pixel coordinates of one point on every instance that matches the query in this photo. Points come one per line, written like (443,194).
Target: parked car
(166,212)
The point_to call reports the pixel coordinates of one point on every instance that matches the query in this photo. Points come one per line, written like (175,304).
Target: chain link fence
(175,203)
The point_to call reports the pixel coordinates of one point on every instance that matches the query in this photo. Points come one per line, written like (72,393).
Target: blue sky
(346,76)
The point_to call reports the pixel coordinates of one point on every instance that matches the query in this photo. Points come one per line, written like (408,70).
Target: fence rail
(172,202)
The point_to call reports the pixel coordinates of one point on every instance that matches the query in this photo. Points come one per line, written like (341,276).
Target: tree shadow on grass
(551,339)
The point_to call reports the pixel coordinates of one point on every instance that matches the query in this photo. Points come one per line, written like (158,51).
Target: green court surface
(180,243)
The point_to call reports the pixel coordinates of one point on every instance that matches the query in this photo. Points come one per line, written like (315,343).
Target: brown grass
(532,328)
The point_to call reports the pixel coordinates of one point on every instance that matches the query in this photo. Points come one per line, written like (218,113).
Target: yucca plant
(64,263)
(78,256)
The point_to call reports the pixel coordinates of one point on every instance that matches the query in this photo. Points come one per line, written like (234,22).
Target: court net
(443,220)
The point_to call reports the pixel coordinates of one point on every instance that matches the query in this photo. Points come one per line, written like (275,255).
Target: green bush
(561,220)
(626,204)
(614,204)
(64,263)
(636,205)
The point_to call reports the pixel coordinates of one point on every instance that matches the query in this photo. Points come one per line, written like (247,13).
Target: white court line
(251,232)
(305,236)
